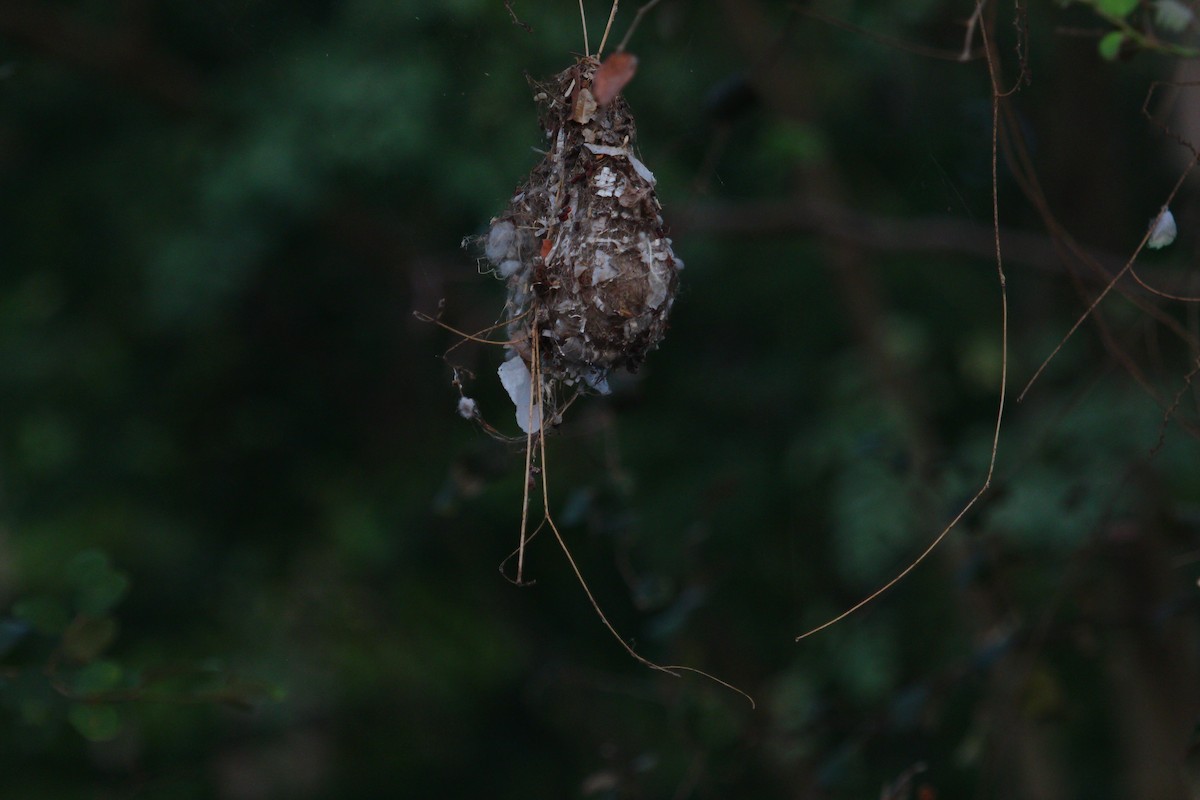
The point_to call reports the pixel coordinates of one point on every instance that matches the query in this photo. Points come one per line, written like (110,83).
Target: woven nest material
(582,244)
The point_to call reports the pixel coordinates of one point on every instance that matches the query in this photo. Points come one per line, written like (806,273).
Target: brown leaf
(584,107)
(616,71)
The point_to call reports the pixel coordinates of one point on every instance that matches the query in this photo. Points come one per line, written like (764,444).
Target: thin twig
(121,54)
(926,235)
(1138,278)
(1166,129)
(673,669)
(972,24)
(535,386)
(548,521)
(987,481)
(1100,297)
(469,337)
(1171,409)
(1191,148)
(633,26)
(513,14)
(611,15)
(889,41)
(1016,153)
(583,20)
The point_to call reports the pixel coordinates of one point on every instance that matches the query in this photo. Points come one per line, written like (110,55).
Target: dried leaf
(616,71)
(584,107)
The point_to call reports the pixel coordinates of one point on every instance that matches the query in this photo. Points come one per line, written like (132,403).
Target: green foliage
(96,677)
(46,615)
(98,587)
(1110,45)
(1131,35)
(789,143)
(95,723)
(1117,8)
(52,664)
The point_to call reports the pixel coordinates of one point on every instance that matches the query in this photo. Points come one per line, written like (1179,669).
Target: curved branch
(122,55)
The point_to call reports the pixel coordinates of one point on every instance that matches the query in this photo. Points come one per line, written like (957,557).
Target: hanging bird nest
(590,273)
(582,246)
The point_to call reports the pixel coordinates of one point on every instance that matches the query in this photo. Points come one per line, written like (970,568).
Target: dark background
(248,549)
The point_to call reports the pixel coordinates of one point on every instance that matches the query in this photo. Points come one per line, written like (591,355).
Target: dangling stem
(583,18)
(611,15)
(524,511)
(997,94)
(470,337)
(535,390)
(548,519)
(636,20)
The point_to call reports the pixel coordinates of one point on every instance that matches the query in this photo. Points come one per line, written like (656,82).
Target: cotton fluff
(1163,230)
(500,241)
(1172,15)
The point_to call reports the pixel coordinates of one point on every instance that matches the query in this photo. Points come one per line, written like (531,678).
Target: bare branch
(121,54)
(516,21)
(888,234)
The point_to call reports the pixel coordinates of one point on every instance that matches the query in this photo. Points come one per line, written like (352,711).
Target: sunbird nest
(582,247)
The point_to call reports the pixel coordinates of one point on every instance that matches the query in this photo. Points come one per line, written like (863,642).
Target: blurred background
(249,550)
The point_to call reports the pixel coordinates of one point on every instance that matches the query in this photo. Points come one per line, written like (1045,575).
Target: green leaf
(99,676)
(95,723)
(102,595)
(46,614)
(46,442)
(1117,8)
(795,143)
(1110,45)
(35,710)
(98,587)
(85,565)
(88,637)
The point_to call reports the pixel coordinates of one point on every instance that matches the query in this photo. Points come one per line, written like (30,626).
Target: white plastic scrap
(605,181)
(657,280)
(638,167)
(598,380)
(642,169)
(1163,231)
(603,270)
(606,150)
(467,408)
(515,377)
